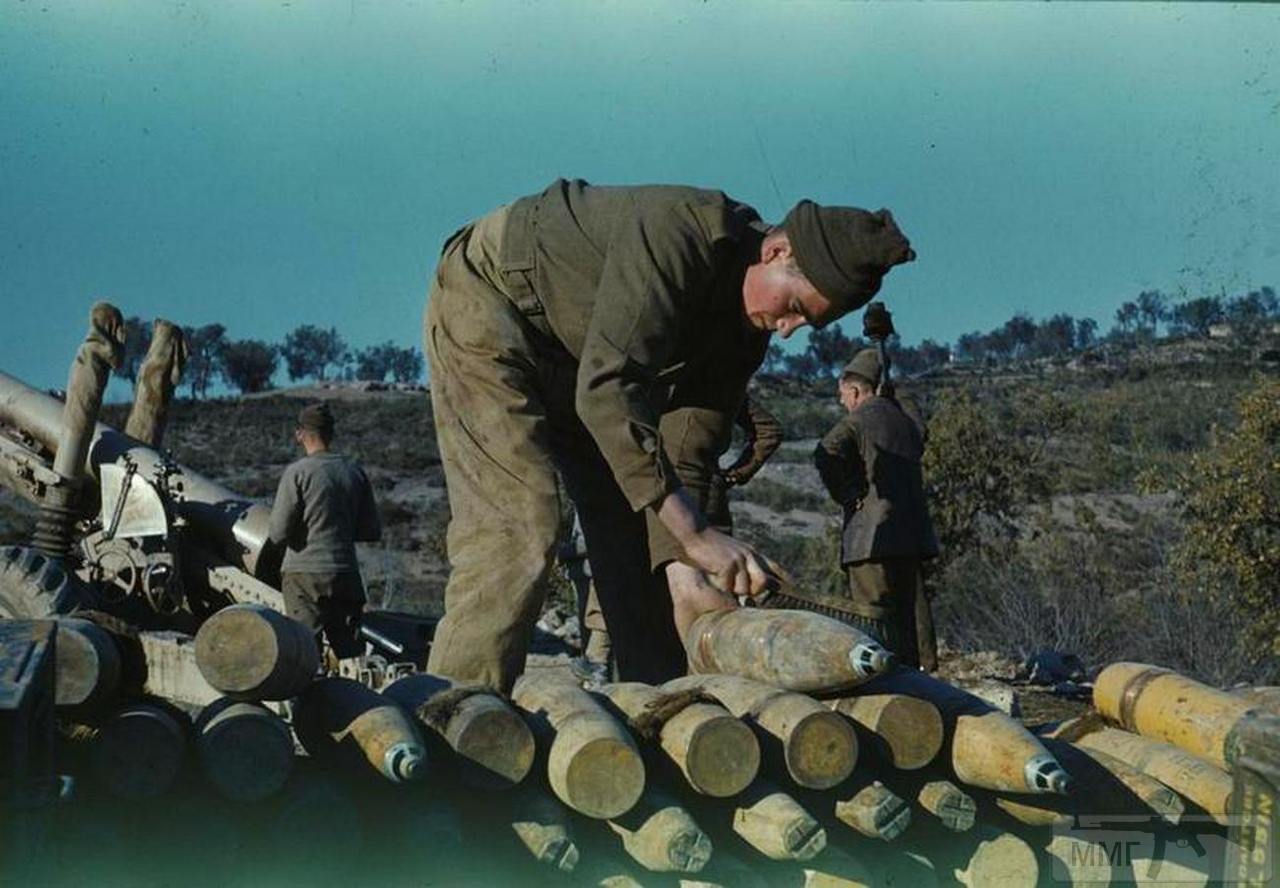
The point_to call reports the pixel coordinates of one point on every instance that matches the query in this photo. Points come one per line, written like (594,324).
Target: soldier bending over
(607,334)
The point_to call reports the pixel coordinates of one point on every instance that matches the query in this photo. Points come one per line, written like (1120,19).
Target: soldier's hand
(692,595)
(731,565)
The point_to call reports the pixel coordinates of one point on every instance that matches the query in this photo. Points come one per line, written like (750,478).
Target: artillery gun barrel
(235,525)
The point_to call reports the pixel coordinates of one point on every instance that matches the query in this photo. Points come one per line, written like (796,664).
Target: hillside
(1075,556)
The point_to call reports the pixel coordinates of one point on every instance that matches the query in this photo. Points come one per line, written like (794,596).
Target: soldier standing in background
(607,334)
(870,465)
(763,435)
(323,506)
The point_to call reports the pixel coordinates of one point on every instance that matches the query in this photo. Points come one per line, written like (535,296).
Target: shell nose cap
(404,762)
(1044,774)
(869,658)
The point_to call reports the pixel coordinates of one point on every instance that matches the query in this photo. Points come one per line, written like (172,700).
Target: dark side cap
(865,365)
(845,251)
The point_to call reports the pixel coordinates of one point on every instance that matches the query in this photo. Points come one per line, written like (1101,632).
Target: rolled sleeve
(694,437)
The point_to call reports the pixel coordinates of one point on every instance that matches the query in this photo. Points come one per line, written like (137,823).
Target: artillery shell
(88,666)
(717,753)
(344,722)
(800,737)
(245,750)
(593,765)
(985,747)
(477,725)
(795,650)
(776,825)
(907,731)
(1193,777)
(954,807)
(661,836)
(251,652)
(139,751)
(1172,708)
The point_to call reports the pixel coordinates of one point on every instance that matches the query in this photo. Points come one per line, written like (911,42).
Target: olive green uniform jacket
(595,334)
(870,464)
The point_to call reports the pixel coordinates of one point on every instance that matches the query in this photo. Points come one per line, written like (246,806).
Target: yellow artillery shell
(1193,777)
(1078,862)
(717,753)
(817,748)
(987,748)
(1166,706)
(88,666)
(662,837)
(1002,859)
(251,652)
(795,650)
(776,825)
(906,730)
(344,722)
(542,825)
(488,735)
(954,807)
(1104,785)
(875,811)
(593,765)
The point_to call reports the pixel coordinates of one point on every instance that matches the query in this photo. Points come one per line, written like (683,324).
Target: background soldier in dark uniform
(323,506)
(763,436)
(608,334)
(870,464)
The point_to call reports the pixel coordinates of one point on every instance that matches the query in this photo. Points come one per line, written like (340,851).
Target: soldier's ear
(776,245)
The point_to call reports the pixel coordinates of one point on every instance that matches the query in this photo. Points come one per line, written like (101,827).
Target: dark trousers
(888,597)
(502,392)
(328,603)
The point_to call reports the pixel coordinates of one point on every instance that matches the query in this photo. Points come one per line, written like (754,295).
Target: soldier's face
(777,297)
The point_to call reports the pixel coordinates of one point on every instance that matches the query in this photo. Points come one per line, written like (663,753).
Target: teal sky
(267,164)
